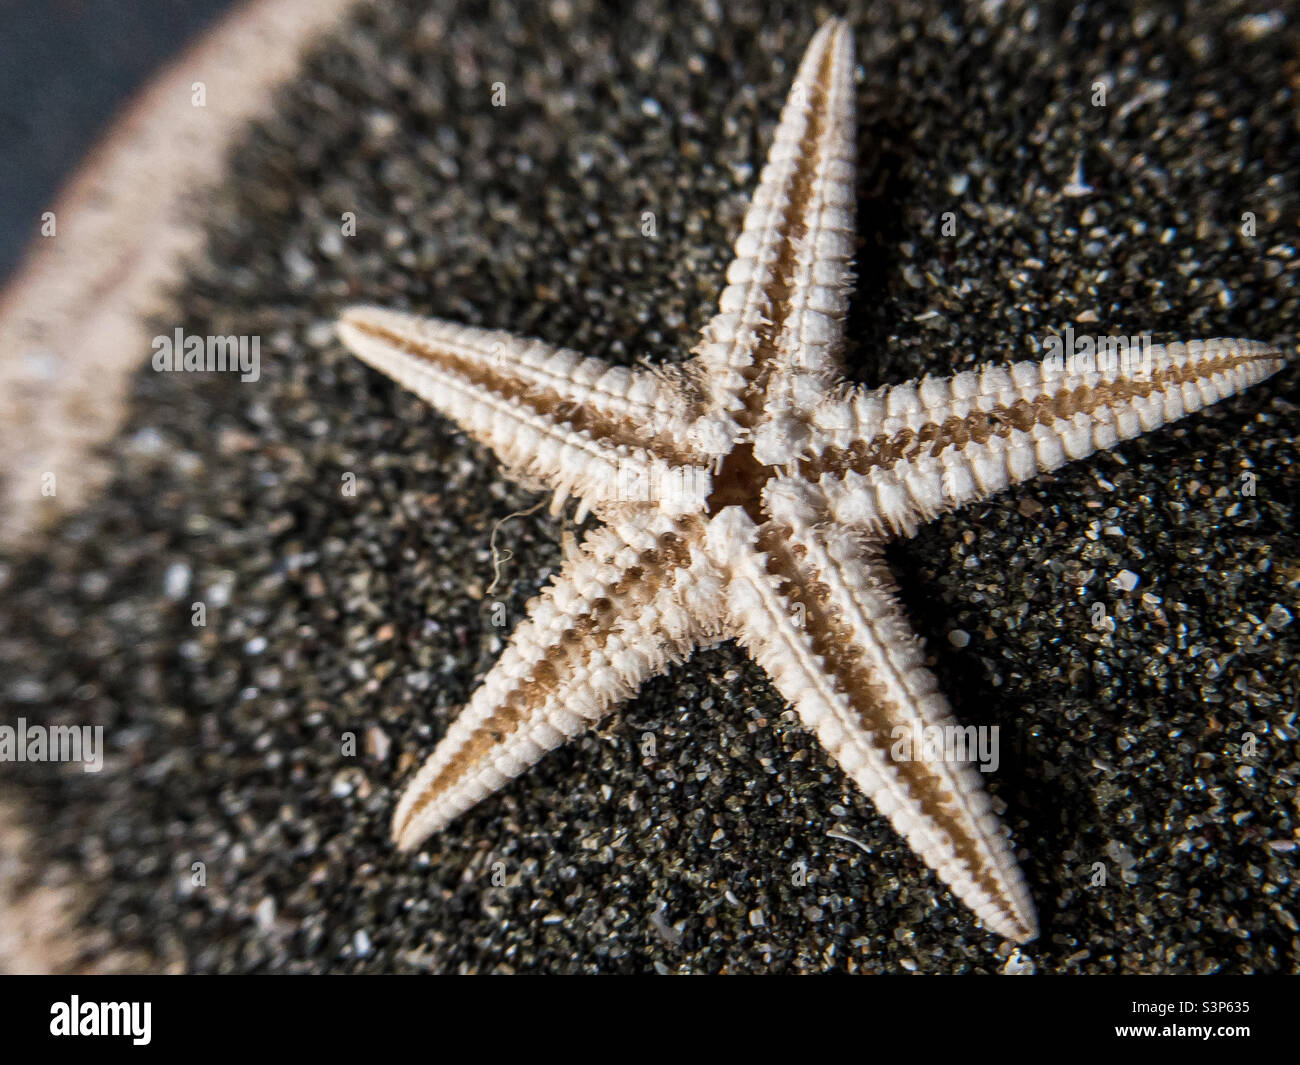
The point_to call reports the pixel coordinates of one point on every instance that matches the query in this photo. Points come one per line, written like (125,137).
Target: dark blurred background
(66,67)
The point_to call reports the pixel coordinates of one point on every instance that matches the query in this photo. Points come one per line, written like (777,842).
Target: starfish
(749,493)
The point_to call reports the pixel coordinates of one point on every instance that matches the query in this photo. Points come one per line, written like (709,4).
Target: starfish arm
(617,614)
(579,425)
(888,459)
(822,618)
(783,307)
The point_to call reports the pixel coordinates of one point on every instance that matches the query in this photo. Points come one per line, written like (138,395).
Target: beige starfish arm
(787,288)
(824,622)
(889,459)
(617,614)
(579,425)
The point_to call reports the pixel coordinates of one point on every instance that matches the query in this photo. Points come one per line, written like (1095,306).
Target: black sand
(369,615)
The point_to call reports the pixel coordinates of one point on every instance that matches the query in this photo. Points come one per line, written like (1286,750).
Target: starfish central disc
(739,483)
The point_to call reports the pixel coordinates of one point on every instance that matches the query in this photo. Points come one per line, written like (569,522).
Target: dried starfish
(749,494)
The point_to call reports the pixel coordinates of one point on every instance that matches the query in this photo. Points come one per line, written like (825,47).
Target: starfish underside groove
(748,495)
